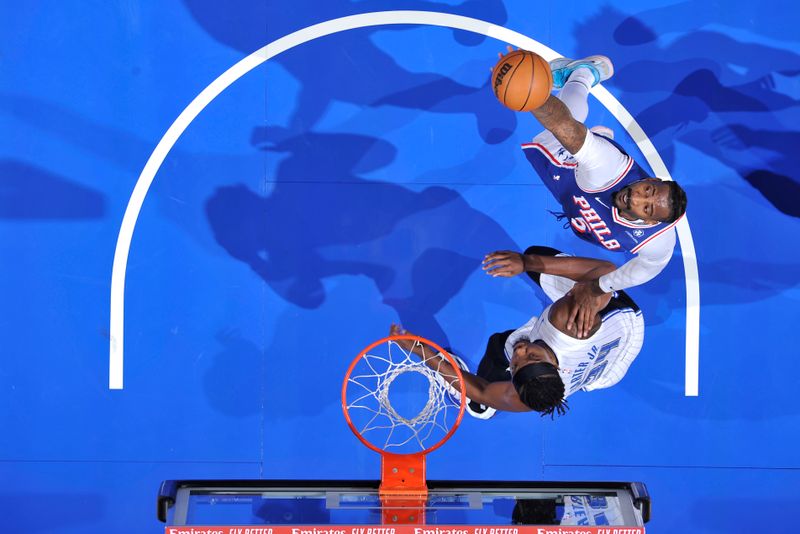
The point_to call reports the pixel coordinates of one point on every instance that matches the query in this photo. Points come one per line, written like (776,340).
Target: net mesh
(369,398)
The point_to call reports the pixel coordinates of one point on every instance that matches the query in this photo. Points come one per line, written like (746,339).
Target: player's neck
(546,348)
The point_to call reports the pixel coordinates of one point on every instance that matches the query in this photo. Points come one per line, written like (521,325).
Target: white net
(378,405)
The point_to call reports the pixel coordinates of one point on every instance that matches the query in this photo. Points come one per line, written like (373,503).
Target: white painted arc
(122,250)
(691,274)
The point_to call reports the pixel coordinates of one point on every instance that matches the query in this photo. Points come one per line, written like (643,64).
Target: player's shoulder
(660,243)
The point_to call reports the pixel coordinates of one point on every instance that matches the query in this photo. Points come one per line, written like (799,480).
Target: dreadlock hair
(545,394)
(677,201)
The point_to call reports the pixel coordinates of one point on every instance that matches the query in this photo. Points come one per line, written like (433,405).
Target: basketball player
(609,200)
(537,366)
(578,509)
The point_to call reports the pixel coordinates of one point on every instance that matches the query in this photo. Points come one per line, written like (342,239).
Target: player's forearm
(473,384)
(496,395)
(574,268)
(650,260)
(555,117)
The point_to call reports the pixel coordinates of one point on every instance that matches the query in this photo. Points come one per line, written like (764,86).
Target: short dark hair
(544,393)
(677,201)
(534,512)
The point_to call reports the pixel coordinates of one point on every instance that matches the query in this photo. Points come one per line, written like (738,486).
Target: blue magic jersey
(591,213)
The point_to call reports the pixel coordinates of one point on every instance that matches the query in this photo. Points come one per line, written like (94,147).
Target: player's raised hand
(501,55)
(398,330)
(505,263)
(509,49)
(585,304)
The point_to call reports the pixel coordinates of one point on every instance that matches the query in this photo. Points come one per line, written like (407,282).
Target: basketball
(522,80)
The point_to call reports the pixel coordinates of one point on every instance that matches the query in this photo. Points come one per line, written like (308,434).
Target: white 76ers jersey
(593,363)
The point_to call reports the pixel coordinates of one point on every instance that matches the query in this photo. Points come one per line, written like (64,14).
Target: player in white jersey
(580,509)
(537,366)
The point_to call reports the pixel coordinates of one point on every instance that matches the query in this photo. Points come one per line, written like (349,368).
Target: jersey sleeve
(600,164)
(523,332)
(650,260)
(617,369)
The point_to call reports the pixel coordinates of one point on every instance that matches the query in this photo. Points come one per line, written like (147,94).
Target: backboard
(410,421)
(326,504)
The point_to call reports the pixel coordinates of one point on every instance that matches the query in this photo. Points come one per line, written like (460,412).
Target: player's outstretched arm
(506,263)
(648,262)
(497,395)
(555,116)
(586,296)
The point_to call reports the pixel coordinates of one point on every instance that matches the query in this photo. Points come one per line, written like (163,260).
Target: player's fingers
(573,312)
(497,254)
(509,48)
(494,261)
(499,265)
(498,271)
(493,272)
(586,321)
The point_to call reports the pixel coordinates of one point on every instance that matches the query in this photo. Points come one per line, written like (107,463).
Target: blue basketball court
(209,208)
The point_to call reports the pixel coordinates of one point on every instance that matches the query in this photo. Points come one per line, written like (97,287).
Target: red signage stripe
(403,529)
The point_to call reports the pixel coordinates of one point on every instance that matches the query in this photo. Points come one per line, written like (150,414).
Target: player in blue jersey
(609,200)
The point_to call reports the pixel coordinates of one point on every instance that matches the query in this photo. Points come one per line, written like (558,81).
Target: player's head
(534,373)
(534,512)
(651,200)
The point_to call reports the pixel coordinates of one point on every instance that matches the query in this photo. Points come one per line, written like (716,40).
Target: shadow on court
(322,220)
(30,192)
(738,106)
(350,67)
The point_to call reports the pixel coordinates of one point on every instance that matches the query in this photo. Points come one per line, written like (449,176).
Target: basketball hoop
(403,438)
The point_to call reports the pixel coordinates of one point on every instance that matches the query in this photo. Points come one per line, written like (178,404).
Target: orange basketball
(522,80)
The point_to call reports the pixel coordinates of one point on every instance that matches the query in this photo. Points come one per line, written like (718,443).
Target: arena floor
(353,179)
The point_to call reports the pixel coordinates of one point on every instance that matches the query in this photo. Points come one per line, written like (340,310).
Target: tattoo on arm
(555,117)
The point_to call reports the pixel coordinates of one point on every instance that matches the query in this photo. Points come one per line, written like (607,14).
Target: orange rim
(449,359)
